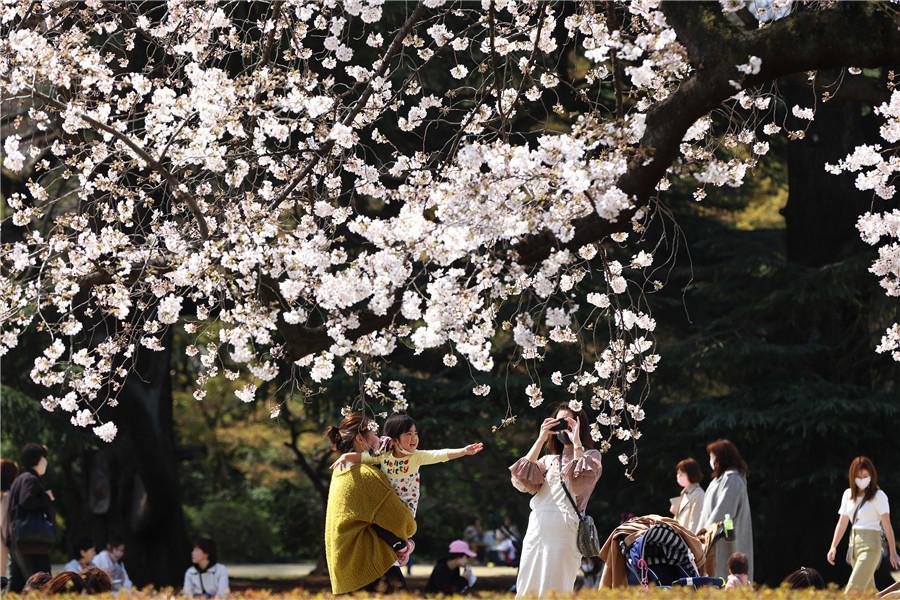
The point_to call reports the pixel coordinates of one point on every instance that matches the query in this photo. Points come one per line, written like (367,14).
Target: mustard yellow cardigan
(358,497)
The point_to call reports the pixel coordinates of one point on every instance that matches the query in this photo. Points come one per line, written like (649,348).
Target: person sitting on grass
(110,560)
(205,577)
(82,554)
(738,565)
(445,577)
(804,578)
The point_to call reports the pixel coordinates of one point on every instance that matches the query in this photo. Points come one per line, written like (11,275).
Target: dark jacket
(445,580)
(27,494)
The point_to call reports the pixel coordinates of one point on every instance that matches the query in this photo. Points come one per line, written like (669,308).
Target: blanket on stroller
(615,573)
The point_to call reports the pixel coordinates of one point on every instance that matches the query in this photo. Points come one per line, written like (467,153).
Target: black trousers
(390,582)
(24,566)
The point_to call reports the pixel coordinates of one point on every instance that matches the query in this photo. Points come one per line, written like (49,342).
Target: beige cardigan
(689,508)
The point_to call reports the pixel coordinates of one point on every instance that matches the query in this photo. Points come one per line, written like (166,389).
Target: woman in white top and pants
(550,557)
(866,509)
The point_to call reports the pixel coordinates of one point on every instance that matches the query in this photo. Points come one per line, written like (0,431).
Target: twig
(143,155)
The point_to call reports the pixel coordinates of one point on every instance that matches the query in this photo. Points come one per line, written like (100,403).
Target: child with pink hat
(446,577)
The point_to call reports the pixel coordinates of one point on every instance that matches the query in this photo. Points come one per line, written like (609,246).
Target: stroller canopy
(660,556)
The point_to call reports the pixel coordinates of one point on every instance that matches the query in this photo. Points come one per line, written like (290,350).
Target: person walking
(367,526)
(8,473)
(571,467)
(686,507)
(865,508)
(727,496)
(30,527)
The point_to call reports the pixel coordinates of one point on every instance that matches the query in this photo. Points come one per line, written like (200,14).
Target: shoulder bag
(32,527)
(588,541)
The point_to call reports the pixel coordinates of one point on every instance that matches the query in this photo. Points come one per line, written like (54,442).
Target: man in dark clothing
(445,577)
(28,494)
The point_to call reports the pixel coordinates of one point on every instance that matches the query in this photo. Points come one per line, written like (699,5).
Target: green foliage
(24,421)
(242,531)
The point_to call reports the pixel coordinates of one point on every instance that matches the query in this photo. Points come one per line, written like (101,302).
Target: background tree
(303,189)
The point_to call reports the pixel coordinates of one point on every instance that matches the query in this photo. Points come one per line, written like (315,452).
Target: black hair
(81,545)
(32,454)
(804,577)
(397,425)
(209,547)
(738,564)
(455,555)
(115,541)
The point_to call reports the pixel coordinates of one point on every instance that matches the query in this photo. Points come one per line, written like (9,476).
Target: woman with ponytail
(367,526)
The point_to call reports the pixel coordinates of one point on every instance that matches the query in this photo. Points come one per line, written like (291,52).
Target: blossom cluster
(877,168)
(321,184)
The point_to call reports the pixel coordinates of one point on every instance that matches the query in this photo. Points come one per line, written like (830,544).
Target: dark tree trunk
(822,209)
(133,484)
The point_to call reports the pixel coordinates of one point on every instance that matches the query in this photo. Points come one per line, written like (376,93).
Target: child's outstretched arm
(470,450)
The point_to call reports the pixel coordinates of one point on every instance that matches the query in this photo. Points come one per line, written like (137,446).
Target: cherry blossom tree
(317,185)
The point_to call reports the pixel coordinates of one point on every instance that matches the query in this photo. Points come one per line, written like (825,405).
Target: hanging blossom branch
(877,167)
(355,196)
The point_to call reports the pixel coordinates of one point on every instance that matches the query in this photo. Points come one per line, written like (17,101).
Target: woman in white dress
(550,557)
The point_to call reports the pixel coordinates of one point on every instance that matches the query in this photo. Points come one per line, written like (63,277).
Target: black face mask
(563,438)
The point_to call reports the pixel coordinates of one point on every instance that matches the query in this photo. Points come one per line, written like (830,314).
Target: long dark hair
(858,464)
(727,458)
(584,431)
(342,435)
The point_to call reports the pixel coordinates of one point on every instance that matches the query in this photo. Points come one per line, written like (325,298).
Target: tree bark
(144,505)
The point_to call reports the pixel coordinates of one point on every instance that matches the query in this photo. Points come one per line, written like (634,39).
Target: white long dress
(550,559)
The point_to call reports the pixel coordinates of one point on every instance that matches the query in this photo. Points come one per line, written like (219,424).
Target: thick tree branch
(859,35)
(801,42)
(849,35)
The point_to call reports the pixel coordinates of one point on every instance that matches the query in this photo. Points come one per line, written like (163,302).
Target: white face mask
(712,463)
(863,482)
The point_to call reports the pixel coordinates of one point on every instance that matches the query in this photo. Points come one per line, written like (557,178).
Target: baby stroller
(661,557)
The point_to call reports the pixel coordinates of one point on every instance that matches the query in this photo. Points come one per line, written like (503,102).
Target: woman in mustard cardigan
(367,526)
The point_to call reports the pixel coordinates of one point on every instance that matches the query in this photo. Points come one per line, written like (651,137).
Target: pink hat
(461,547)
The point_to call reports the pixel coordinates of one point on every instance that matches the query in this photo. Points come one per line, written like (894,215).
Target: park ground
(632,593)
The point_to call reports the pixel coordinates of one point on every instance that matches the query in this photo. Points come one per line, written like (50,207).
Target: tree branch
(142,154)
(393,50)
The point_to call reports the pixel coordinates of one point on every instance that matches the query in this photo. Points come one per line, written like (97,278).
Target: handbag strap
(566,490)
(856,512)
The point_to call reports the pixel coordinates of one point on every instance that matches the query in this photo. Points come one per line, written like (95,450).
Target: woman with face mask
(550,559)
(866,509)
(727,496)
(686,507)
